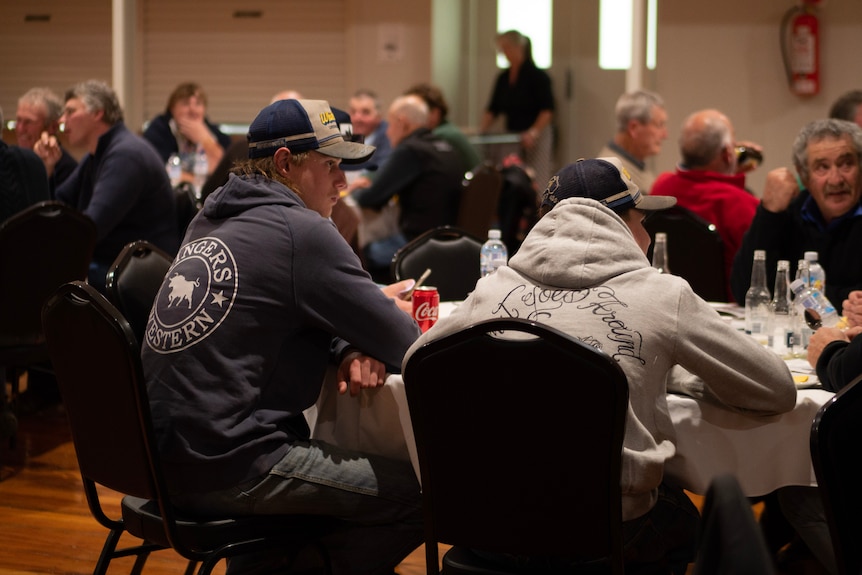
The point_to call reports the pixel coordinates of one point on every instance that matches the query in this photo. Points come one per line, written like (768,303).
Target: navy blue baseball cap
(302,125)
(605,180)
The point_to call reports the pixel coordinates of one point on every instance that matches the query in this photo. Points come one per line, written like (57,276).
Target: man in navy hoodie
(263,294)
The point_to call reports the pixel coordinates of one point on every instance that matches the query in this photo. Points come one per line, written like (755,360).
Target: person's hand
(194,129)
(360,182)
(852,308)
(823,337)
(48,148)
(529,139)
(749,166)
(780,189)
(395,292)
(359,371)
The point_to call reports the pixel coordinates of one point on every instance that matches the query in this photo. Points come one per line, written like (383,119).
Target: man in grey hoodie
(583,270)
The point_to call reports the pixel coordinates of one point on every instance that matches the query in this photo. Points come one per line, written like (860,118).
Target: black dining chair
(450,253)
(133,281)
(836,434)
(99,372)
(480,197)
(695,250)
(508,467)
(41,248)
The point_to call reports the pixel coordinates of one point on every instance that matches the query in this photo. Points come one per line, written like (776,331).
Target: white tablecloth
(765,453)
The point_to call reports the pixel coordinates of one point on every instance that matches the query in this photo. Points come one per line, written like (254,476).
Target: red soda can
(426,305)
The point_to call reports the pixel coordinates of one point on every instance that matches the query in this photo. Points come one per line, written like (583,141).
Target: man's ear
(281,159)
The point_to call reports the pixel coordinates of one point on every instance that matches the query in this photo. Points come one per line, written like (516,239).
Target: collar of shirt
(613,146)
(811,214)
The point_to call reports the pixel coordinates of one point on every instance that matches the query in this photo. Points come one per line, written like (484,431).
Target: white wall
(711,54)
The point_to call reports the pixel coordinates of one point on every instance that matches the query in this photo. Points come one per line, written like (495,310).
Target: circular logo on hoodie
(195,298)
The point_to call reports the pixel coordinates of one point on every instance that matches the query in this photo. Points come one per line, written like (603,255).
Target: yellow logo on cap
(326,117)
(625,172)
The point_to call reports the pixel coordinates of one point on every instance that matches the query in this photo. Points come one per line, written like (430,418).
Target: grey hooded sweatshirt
(581,271)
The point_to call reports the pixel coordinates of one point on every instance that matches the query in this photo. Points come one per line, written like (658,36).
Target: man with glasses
(641,129)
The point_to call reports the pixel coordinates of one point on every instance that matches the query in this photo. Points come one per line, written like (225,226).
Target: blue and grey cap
(302,125)
(605,180)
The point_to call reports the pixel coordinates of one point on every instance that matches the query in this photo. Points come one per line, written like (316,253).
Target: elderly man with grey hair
(121,183)
(39,111)
(424,172)
(814,206)
(641,129)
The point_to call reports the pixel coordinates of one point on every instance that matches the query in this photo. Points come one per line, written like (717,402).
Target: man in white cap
(583,270)
(263,294)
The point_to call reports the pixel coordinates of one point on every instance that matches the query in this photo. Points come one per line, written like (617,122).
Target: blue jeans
(378,498)
(379,253)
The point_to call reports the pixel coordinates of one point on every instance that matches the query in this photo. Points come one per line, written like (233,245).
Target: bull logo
(181,290)
(196,297)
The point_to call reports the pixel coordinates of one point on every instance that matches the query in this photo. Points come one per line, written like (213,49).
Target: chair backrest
(133,281)
(519,441)
(730,542)
(836,435)
(695,250)
(450,253)
(97,362)
(41,248)
(477,211)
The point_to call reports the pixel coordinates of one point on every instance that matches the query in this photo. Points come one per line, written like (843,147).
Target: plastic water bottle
(802,332)
(493,253)
(201,171)
(758,301)
(175,170)
(659,253)
(810,298)
(815,272)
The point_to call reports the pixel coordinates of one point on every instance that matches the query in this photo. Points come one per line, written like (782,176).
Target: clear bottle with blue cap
(493,253)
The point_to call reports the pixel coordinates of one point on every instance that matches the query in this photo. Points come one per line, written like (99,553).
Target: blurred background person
(641,129)
(39,110)
(442,127)
(183,128)
(425,174)
(23,180)
(708,182)
(848,107)
(522,93)
(121,183)
(366,115)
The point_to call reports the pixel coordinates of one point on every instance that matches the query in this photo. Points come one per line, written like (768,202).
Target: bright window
(616,29)
(532,19)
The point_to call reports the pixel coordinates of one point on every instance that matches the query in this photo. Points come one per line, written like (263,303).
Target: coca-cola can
(426,305)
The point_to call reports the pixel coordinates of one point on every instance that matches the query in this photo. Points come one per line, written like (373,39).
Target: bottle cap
(760,254)
(810,256)
(797,285)
(494,234)
(660,236)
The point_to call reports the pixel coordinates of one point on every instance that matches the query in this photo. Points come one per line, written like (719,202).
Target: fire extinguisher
(800,48)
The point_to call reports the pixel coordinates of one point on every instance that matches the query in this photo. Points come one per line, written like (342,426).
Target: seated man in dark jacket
(424,172)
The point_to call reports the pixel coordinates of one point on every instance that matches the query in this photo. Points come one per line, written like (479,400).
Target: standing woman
(522,93)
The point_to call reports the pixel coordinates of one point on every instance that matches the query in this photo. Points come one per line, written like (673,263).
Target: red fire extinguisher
(800,48)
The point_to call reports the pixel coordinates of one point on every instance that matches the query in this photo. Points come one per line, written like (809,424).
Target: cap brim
(654,203)
(349,152)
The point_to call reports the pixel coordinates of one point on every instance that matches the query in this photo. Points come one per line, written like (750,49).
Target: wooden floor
(45,525)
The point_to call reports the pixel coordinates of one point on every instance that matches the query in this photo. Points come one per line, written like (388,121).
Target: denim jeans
(378,499)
